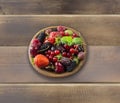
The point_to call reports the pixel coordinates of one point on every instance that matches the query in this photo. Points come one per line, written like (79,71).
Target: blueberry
(71,66)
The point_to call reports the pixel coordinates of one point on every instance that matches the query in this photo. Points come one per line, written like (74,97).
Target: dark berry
(41,37)
(65,61)
(44,47)
(80,48)
(71,66)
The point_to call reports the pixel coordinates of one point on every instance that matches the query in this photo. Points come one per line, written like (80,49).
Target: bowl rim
(52,74)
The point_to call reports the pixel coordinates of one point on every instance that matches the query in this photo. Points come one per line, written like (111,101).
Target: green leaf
(59,56)
(77,40)
(67,40)
(76,60)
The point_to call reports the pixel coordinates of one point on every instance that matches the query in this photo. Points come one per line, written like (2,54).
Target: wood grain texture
(97,30)
(59,7)
(102,66)
(58,93)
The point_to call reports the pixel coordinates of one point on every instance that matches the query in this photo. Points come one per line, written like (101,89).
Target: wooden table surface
(97,82)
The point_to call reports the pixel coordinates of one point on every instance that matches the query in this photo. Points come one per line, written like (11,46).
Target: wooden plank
(59,93)
(97,30)
(102,66)
(59,7)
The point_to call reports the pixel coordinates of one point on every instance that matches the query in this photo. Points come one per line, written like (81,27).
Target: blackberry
(41,37)
(44,47)
(65,61)
(71,66)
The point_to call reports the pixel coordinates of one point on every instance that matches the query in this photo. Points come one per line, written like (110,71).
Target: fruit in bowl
(57,51)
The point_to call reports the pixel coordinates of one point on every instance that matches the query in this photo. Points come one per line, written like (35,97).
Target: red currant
(75,35)
(52,53)
(72,50)
(66,47)
(57,52)
(62,33)
(49,51)
(64,54)
(68,55)
(50,57)
(55,59)
(47,55)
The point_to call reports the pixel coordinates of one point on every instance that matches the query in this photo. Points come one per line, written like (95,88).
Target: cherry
(56,63)
(50,57)
(49,51)
(47,55)
(72,50)
(55,59)
(52,53)
(57,52)
(74,35)
(62,33)
(64,54)
(66,46)
(68,55)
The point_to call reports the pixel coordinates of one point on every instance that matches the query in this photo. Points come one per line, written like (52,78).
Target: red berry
(72,50)
(60,28)
(52,53)
(35,43)
(50,57)
(47,55)
(57,52)
(66,34)
(54,34)
(51,40)
(75,35)
(64,54)
(48,31)
(62,33)
(66,47)
(33,51)
(49,51)
(55,59)
(56,64)
(68,55)
(59,67)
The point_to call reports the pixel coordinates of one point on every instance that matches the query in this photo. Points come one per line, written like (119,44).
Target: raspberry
(60,28)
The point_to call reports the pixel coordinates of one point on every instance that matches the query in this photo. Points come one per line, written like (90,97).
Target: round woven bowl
(53,74)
